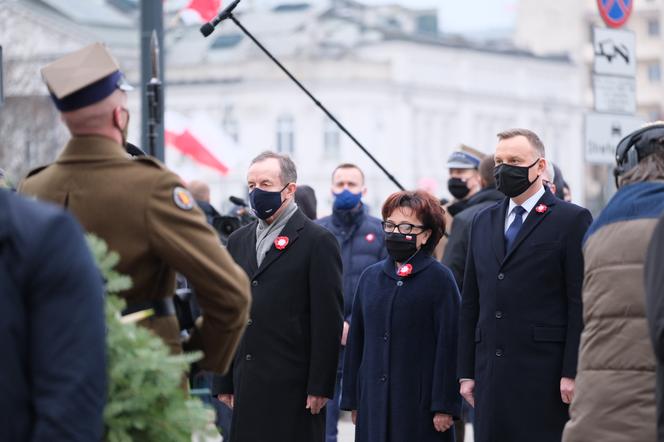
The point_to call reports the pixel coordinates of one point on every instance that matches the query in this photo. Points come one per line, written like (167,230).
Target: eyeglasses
(403,228)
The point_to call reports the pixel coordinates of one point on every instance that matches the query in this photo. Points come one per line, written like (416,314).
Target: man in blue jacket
(360,237)
(53,378)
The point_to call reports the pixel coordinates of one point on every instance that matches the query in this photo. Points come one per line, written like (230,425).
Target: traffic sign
(615,52)
(615,13)
(615,94)
(603,132)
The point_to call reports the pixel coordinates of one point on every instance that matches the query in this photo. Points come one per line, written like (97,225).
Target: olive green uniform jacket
(142,210)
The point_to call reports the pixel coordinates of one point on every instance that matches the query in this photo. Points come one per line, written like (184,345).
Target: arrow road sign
(615,52)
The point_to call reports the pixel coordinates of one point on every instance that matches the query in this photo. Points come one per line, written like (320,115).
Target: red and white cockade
(405,270)
(281,242)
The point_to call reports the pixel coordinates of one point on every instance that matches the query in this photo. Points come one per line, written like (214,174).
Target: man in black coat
(457,244)
(521,315)
(53,375)
(285,368)
(654,283)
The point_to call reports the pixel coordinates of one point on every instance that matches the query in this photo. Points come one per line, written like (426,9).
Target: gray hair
(531,136)
(288,172)
(651,168)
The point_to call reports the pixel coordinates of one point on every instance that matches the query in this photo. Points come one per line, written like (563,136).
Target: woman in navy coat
(400,365)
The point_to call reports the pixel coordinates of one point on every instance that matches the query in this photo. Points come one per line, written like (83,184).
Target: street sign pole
(152,18)
(614,84)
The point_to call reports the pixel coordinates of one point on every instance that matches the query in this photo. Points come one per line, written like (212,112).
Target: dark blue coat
(521,320)
(362,243)
(400,360)
(53,372)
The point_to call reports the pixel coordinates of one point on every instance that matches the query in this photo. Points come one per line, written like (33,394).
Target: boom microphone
(208,28)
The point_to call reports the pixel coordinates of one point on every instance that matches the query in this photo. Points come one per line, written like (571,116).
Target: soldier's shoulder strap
(149,161)
(37,170)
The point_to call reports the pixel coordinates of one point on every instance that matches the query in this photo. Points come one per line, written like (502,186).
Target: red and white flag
(200,11)
(196,139)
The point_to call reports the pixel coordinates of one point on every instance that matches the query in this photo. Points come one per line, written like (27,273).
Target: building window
(653,27)
(285,134)
(654,72)
(331,139)
(230,124)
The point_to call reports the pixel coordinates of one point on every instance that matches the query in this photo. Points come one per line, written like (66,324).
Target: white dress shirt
(528,205)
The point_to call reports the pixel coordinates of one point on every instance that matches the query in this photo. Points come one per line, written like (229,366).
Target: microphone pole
(227,13)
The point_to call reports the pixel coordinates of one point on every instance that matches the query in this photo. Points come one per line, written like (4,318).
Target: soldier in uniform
(140,208)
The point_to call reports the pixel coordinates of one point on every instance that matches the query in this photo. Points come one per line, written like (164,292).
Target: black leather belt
(161,307)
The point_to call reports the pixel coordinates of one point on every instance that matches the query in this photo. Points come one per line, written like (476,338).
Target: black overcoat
(521,320)
(291,345)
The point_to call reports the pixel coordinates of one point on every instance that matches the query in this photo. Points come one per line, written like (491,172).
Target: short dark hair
(288,172)
(425,206)
(531,136)
(487,167)
(348,166)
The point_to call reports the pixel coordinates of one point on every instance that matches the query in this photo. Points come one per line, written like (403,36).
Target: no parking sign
(615,12)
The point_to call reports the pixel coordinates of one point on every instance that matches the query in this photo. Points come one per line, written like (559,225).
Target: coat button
(248,357)
(499,352)
(499,314)
(385,336)
(254,283)
(501,276)
(250,321)
(383,378)
(399,283)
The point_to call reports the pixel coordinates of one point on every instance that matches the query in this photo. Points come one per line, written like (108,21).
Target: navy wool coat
(362,243)
(521,320)
(53,373)
(399,368)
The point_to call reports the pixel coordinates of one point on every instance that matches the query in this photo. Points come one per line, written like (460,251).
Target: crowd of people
(508,307)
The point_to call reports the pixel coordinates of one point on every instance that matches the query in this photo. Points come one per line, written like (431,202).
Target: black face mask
(513,180)
(458,188)
(401,247)
(264,203)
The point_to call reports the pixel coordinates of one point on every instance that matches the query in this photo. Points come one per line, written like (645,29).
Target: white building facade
(410,94)
(410,98)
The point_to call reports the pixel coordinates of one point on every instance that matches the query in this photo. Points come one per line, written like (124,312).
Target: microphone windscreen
(207,29)
(237,201)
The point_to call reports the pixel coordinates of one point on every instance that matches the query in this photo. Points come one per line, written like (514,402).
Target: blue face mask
(347,200)
(264,203)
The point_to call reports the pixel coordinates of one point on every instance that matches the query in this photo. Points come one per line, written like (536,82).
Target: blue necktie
(513,229)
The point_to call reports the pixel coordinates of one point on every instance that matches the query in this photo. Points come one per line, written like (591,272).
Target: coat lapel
(532,220)
(498,234)
(291,231)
